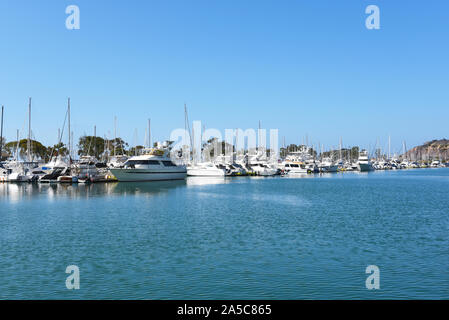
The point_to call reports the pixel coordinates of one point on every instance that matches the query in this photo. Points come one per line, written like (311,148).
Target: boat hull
(327,169)
(135,175)
(364,167)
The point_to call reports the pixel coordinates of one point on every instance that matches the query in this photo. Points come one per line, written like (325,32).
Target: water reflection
(202,181)
(25,191)
(143,188)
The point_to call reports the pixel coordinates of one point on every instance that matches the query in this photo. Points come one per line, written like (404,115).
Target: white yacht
(117,161)
(205,169)
(327,165)
(16,172)
(261,168)
(153,166)
(295,167)
(45,169)
(435,164)
(363,164)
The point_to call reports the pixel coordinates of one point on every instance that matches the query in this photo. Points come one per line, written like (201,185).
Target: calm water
(241,238)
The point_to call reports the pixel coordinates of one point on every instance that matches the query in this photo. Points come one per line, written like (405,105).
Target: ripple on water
(242,238)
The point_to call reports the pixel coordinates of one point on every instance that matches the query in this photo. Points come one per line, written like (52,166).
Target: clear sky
(303,67)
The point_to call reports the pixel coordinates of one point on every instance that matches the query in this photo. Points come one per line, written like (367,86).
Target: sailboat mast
(187,127)
(95,141)
(115,134)
(1,135)
(405,150)
(17,146)
(186,159)
(29,131)
(149,133)
(135,141)
(70,142)
(389,147)
(340,148)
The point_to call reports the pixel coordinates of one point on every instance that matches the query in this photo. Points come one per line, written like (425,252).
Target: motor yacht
(117,161)
(363,164)
(153,165)
(327,165)
(435,164)
(206,169)
(262,169)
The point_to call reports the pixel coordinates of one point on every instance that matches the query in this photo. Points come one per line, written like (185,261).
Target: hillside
(435,149)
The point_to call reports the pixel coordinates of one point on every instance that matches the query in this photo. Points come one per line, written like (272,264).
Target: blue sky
(303,67)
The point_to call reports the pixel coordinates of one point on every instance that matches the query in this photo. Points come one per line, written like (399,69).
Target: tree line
(87,146)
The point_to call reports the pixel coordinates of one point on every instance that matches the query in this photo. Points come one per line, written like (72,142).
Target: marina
(160,162)
(224,159)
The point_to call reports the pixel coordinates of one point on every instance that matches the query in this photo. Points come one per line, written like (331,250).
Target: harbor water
(303,237)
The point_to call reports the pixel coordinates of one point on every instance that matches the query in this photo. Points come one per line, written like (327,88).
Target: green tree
(91,146)
(355,153)
(59,149)
(222,147)
(135,150)
(118,144)
(38,150)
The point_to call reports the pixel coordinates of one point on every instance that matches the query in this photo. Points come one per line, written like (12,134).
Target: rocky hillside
(435,149)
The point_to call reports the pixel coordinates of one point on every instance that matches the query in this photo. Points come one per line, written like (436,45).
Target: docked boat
(327,165)
(3,173)
(295,167)
(117,161)
(206,169)
(40,171)
(261,168)
(235,169)
(57,174)
(16,171)
(364,164)
(153,166)
(435,164)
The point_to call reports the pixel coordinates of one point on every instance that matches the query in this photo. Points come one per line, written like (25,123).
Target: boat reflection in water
(297,175)
(24,192)
(143,188)
(291,175)
(203,181)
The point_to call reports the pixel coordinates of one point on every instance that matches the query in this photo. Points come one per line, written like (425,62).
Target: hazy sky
(303,67)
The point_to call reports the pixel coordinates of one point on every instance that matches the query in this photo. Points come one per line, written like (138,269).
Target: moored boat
(364,164)
(155,165)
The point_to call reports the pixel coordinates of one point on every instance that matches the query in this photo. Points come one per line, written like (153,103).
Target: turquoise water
(240,238)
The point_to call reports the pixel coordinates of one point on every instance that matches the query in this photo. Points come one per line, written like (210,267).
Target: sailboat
(59,171)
